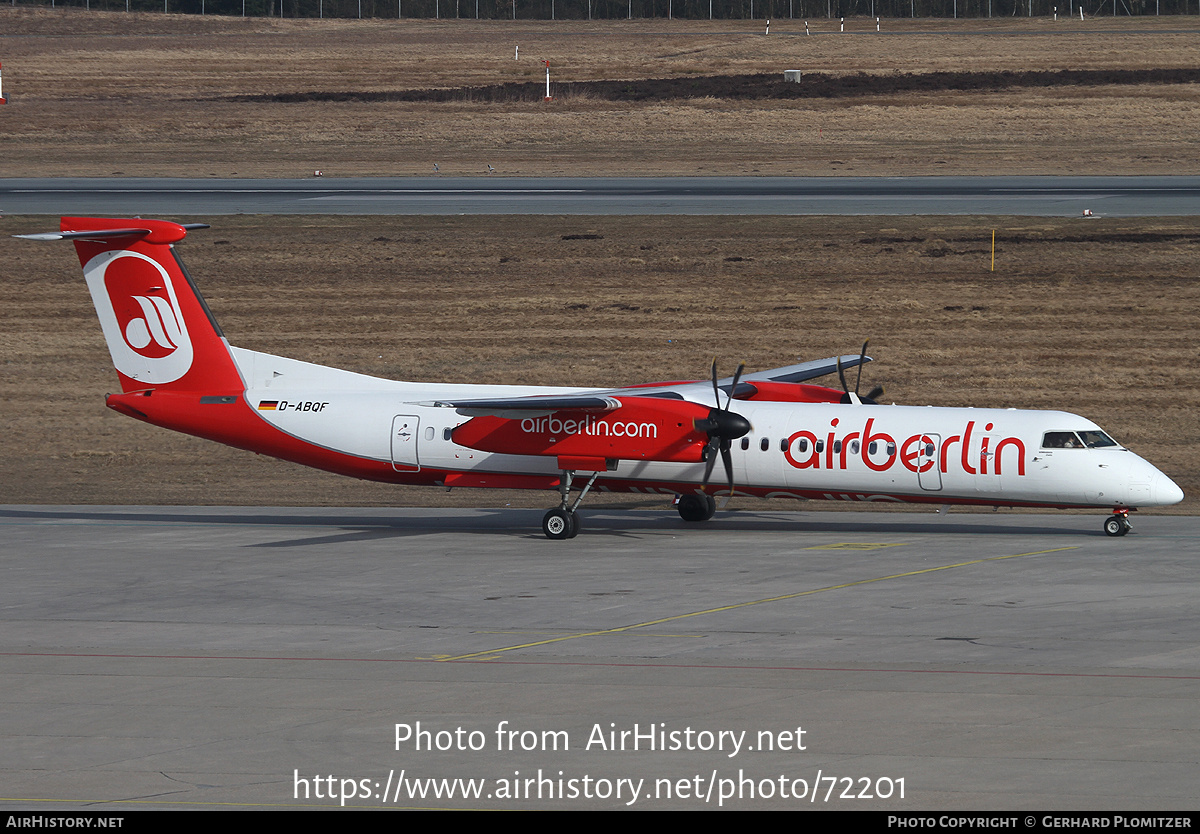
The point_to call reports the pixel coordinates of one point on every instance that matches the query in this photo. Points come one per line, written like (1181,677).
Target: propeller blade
(727,457)
(710,459)
(849,396)
(861,358)
(737,375)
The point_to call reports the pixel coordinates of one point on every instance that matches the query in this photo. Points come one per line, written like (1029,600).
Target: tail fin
(159,330)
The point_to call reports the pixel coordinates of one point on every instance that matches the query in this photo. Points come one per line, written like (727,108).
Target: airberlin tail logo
(140,315)
(157,332)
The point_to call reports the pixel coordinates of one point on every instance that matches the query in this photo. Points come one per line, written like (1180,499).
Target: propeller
(722,427)
(872,395)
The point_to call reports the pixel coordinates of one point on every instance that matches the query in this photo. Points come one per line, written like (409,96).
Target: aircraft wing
(803,371)
(513,408)
(701,391)
(601,402)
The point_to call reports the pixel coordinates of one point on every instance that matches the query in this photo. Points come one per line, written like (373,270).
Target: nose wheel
(1117,524)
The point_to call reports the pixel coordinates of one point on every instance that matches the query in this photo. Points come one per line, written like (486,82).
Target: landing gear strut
(562,522)
(1118,523)
(694,507)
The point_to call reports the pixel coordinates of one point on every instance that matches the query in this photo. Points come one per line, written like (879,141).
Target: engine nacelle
(642,428)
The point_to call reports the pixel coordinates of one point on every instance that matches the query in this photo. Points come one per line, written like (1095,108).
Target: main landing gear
(1118,523)
(562,522)
(692,507)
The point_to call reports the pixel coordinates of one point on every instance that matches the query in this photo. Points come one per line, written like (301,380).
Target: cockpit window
(1061,440)
(1076,440)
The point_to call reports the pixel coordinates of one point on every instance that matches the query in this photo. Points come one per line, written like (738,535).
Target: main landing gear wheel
(560,524)
(1117,525)
(696,507)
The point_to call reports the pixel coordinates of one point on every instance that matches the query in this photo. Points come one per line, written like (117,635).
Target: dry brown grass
(144,95)
(1105,328)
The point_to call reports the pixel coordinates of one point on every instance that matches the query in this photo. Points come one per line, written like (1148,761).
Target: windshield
(1096,439)
(1076,440)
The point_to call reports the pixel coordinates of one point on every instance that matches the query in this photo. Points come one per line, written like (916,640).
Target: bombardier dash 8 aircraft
(776,435)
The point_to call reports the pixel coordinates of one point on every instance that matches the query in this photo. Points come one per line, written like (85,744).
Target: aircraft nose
(1143,485)
(1146,486)
(1164,491)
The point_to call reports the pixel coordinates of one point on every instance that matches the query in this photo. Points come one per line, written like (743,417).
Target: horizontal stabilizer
(158,228)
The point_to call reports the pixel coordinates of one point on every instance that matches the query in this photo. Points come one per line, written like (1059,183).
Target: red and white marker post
(3,100)
(548,96)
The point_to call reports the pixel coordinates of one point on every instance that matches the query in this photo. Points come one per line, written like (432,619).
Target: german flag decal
(268,405)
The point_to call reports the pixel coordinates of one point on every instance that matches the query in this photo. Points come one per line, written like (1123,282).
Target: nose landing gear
(1118,523)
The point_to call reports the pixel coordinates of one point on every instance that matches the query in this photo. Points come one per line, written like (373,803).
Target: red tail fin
(160,332)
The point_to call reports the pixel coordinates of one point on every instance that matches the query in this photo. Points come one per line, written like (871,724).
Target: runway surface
(183,657)
(1041,196)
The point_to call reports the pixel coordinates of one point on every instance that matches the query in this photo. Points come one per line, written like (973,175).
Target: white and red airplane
(775,435)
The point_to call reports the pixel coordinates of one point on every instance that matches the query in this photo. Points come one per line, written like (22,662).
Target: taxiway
(214,657)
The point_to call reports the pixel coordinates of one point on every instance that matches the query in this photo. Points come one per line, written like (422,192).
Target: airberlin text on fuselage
(588,426)
(975,454)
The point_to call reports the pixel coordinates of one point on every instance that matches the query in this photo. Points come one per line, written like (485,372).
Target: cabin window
(872,447)
(928,450)
(891,448)
(837,447)
(1061,440)
(745,443)
(429,432)
(819,446)
(765,444)
(854,447)
(802,445)
(783,444)
(446,433)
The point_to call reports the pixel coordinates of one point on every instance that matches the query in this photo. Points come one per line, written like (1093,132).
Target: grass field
(1094,317)
(108,94)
